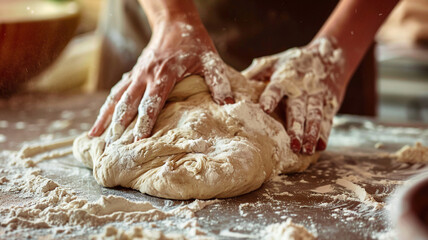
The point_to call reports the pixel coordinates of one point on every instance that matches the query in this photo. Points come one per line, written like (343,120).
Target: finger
(151,105)
(148,111)
(214,71)
(322,144)
(313,123)
(125,110)
(106,111)
(260,69)
(270,97)
(330,109)
(295,116)
(324,134)
(281,84)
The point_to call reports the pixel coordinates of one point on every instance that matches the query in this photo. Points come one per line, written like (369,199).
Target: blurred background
(84,46)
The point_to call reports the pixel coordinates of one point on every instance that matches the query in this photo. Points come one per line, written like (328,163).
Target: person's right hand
(176,50)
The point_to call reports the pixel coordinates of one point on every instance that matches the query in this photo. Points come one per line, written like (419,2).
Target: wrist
(179,27)
(171,17)
(170,11)
(167,33)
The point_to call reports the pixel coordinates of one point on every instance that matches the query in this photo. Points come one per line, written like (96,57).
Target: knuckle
(111,99)
(311,137)
(315,113)
(256,61)
(141,110)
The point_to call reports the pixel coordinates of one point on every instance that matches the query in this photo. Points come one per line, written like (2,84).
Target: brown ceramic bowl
(32,34)
(411,218)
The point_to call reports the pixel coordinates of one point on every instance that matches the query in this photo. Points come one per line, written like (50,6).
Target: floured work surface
(344,194)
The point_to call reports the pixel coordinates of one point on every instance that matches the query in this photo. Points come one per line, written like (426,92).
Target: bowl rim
(407,218)
(55,10)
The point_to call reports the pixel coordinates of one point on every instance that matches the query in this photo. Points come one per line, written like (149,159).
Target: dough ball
(198,149)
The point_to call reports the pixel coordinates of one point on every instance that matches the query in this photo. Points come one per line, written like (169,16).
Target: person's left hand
(176,50)
(309,81)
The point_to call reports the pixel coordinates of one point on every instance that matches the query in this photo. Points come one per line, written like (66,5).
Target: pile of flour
(61,211)
(288,230)
(112,232)
(412,154)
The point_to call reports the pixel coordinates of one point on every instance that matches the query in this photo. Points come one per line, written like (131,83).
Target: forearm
(160,11)
(354,24)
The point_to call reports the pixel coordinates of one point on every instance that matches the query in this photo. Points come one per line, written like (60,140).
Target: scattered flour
(85,126)
(3,180)
(4,124)
(360,193)
(287,230)
(28,151)
(60,209)
(68,114)
(112,233)
(31,154)
(246,208)
(2,138)
(230,234)
(379,145)
(58,125)
(323,189)
(20,125)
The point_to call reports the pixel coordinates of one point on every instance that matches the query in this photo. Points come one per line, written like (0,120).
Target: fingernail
(115,132)
(308,148)
(295,145)
(138,138)
(229,100)
(321,145)
(268,104)
(93,131)
(265,109)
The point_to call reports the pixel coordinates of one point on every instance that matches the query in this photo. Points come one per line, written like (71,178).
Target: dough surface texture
(198,149)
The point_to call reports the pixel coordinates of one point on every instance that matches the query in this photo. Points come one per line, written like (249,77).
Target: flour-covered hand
(176,50)
(309,82)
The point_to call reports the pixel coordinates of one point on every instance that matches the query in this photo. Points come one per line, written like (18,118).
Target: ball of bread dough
(198,149)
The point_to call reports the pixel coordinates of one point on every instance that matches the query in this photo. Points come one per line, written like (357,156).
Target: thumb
(214,71)
(260,67)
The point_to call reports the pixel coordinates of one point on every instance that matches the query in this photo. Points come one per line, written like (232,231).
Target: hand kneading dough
(198,149)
